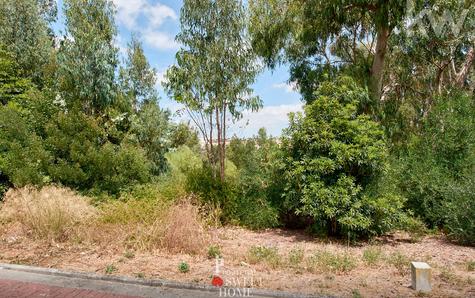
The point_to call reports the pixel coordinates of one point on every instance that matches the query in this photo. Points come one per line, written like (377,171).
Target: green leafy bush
(436,172)
(332,154)
(255,159)
(85,159)
(23,158)
(150,129)
(213,191)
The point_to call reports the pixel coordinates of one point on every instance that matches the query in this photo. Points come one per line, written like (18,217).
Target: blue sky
(156,22)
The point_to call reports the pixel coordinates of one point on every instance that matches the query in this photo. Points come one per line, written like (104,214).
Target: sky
(156,22)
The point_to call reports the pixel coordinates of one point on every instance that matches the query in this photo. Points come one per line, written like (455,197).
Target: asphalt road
(26,284)
(32,282)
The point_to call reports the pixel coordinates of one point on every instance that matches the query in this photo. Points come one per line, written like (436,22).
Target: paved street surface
(33,285)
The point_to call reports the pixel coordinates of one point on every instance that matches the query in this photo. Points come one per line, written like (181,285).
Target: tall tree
(317,35)
(88,56)
(214,69)
(24,32)
(138,77)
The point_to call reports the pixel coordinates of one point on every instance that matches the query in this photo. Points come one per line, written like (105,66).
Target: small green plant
(140,275)
(447,275)
(263,254)
(400,261)
(111,268)
(129,254)
(372,255)
(184,267)
(213,252)
(470,266)
(296,256)
(356,294)
(327,261)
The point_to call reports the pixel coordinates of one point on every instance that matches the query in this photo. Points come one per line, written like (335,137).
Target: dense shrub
(85,159)
(213,191)
(256,160)
(436,171)
(23,158)
(150,129)
(332,154)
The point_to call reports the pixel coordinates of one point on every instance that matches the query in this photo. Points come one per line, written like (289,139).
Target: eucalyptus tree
(138,77)
(319,37)
(24,32)
(88,57)
(430,56)
(214,70)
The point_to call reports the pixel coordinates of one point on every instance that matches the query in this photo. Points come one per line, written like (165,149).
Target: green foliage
(399,261)
(12,86)
(334,262)
(183,267)
(24,32)
(214,70)
(138,77)
(183,135)
(332,155)
(111,268)
(436,171)
(296,257)
(372,255)
(267,255)
(150,129)
(214,251)
(256,160)
(183,160)
(323,39)
(129,254)
(88,57)
(356,294)
(23,158)
(221,194)
(84,158)
(471,266)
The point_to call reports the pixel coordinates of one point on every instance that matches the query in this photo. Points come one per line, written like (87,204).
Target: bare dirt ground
(363,274)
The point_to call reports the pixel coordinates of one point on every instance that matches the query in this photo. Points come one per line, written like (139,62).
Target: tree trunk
(220,144)
(223,148)
(211,155)
(377,69)
(464,71)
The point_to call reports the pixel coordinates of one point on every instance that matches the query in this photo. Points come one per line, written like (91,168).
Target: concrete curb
(145,282)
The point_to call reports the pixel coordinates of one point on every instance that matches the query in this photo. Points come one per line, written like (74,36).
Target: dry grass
(181,230)
(184,229)
(50,213)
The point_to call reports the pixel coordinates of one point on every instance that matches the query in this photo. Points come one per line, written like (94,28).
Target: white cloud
(151,17)
(119,43)
(128,11)
(158,13)
(159,40)
(288,87)
(273,118)
(160,77)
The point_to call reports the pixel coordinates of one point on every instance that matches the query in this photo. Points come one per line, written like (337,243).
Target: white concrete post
(421,276)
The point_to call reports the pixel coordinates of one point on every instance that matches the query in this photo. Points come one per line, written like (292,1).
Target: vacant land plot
(272,259)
